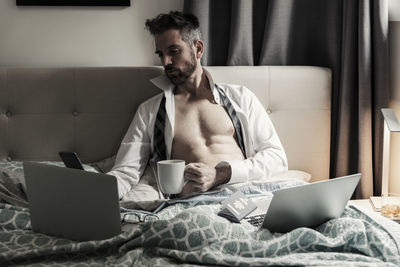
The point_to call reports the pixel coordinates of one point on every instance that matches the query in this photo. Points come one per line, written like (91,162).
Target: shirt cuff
(239,170)
(123,186)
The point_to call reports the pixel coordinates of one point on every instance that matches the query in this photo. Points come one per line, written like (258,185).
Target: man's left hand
(201,177)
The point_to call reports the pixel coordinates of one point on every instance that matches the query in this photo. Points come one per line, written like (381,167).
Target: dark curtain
(348,36)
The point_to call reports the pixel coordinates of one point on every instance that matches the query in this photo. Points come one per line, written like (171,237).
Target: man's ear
(199,48)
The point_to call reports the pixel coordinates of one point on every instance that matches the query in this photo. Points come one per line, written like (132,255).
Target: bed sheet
(191,233)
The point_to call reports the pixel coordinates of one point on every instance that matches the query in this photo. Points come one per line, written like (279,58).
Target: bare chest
(201,119)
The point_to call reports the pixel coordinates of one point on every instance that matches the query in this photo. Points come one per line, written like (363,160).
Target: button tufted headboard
(88,110)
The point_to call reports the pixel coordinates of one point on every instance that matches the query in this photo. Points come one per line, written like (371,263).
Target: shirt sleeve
(134,153)
(267,156)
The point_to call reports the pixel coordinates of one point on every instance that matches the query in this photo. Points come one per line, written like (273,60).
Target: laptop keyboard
(255,220)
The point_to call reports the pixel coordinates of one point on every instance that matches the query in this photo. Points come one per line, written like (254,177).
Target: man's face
(177,58)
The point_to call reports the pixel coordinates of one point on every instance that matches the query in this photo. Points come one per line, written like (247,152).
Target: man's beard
(181,76)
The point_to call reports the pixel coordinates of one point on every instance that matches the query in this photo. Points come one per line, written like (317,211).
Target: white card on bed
(239,205)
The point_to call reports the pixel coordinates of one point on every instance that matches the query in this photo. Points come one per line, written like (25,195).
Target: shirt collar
(164,84)
(167,86)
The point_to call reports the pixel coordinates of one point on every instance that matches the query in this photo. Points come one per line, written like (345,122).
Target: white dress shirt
(265,155)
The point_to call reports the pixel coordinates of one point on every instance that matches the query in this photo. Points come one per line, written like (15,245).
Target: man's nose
(166,60)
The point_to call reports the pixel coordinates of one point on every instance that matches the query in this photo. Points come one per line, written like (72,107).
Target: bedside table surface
(363,203)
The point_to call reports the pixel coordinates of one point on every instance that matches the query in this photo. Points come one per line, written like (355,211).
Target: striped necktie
(233,115)
(160,151)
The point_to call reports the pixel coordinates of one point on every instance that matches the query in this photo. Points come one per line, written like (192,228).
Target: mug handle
(154,168)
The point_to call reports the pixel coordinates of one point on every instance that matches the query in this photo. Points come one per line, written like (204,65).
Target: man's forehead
(168,38)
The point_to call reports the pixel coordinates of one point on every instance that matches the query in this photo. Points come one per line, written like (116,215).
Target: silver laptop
(306,205)
(71,203)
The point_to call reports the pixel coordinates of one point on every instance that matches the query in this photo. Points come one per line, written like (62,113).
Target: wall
(394,10)
(394,44)
(394,50)
(79,36)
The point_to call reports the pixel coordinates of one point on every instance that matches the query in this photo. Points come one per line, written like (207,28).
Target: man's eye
(174,51)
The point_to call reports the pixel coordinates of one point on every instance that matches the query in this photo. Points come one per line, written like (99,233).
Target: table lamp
(391,124)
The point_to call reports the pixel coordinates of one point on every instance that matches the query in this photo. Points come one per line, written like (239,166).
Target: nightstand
(365,205)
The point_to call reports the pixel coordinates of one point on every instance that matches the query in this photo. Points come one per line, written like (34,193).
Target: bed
(87,110)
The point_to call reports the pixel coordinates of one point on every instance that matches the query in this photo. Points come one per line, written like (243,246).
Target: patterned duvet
(191,234)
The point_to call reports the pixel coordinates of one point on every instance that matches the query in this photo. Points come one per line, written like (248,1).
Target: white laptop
(304,206)
(72,203)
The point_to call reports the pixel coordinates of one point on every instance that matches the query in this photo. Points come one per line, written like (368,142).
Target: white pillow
(293,174)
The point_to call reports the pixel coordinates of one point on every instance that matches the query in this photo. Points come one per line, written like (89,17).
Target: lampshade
(391,125)
(387,204)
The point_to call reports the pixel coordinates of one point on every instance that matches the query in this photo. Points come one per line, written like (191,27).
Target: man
(221,130)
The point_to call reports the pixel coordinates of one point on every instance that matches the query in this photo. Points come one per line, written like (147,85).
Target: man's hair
(187,24)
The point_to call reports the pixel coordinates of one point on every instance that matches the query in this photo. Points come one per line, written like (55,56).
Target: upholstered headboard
(88,110)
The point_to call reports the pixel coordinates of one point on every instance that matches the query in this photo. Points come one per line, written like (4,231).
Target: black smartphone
(71,160)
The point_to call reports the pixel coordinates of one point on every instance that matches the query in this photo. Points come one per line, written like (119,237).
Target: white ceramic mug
(170,176)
